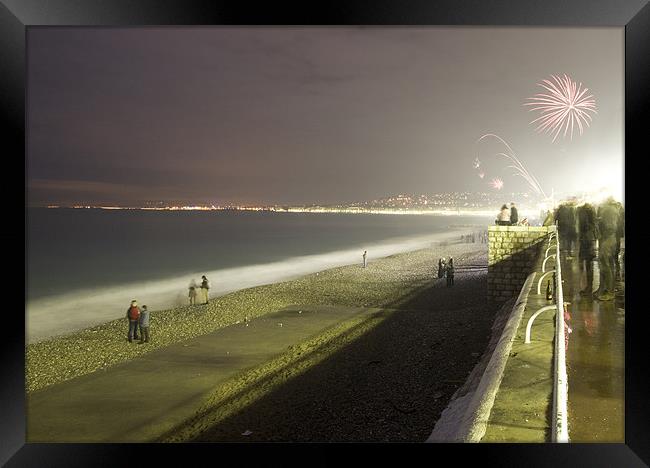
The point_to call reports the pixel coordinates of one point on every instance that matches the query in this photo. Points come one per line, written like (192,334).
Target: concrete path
(595,362)
(139,400)
(595,367)
(521,408)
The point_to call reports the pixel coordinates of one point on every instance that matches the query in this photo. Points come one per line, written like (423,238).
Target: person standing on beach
(144,325)
(450,272)
(205,288)
(133,315)
(514,215)
(192,295)
(365,252)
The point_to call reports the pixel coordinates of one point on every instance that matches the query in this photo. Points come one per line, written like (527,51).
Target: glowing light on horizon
(564,106)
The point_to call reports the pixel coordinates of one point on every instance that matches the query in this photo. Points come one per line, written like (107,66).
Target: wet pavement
(595,359)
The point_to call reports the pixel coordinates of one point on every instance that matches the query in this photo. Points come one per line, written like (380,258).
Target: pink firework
(496,184)
(566,105)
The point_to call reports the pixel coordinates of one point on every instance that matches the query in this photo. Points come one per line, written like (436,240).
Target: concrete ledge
(466,418)
(497,228)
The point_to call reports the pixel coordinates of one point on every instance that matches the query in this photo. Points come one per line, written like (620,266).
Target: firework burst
(496,183)
(566,105)
(518,167)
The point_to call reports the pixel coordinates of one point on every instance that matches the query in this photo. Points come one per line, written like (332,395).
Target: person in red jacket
(133,316)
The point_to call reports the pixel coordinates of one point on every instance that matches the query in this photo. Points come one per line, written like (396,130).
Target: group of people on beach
(596,231)
(471,238)
(205,289)
(446,270)
(509,216)
(139,317)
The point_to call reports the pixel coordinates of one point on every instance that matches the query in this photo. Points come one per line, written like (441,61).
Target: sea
(84,266)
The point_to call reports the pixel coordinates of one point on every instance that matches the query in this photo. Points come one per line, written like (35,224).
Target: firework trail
(519,168)
(566,105)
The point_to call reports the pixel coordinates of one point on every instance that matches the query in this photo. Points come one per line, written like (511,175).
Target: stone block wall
(513,252)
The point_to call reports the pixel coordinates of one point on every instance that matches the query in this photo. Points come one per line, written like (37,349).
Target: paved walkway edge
(478,405)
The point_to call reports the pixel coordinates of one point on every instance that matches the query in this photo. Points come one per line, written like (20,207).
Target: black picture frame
(18,15)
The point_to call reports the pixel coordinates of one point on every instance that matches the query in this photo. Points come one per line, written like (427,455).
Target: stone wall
(513,252)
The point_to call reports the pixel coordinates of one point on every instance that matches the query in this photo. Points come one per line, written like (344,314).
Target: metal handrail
(546,259)
(560,430)
(541,278)
(532,318)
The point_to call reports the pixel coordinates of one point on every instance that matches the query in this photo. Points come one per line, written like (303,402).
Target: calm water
(84,265)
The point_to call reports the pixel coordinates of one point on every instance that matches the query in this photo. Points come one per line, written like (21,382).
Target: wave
(72,311)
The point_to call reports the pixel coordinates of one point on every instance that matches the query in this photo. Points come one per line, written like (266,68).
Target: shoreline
(65,357)
(48,317)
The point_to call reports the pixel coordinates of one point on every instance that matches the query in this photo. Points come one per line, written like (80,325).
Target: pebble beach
(384,283)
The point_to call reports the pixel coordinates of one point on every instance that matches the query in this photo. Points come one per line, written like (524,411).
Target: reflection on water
(595,361)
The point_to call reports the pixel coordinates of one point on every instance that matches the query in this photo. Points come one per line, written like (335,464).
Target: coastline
(385,282)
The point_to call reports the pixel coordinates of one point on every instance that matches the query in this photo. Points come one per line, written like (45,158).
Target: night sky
(307,115)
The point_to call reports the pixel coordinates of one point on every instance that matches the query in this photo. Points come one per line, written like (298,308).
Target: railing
(560,432)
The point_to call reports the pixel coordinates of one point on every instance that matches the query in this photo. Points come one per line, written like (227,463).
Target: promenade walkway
(142,399)
(595,367)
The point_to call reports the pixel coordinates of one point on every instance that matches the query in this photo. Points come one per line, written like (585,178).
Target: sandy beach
(386,282)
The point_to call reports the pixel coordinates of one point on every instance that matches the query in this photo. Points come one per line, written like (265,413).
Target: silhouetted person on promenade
(548,219)
(503,218)
(620,233)
(441,268)
(566,226)
(365,253)
(608,219)
(514,215)
(587,235)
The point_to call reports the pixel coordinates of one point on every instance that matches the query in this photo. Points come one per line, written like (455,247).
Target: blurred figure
(205,288)
(365,253)
(441,267)
(608,219)
(587,235)
(514,215)
(548,219)
(133,316)
(566,226)
(620,233)
(450,272)
(503,218)
(144,325)
(192,295)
